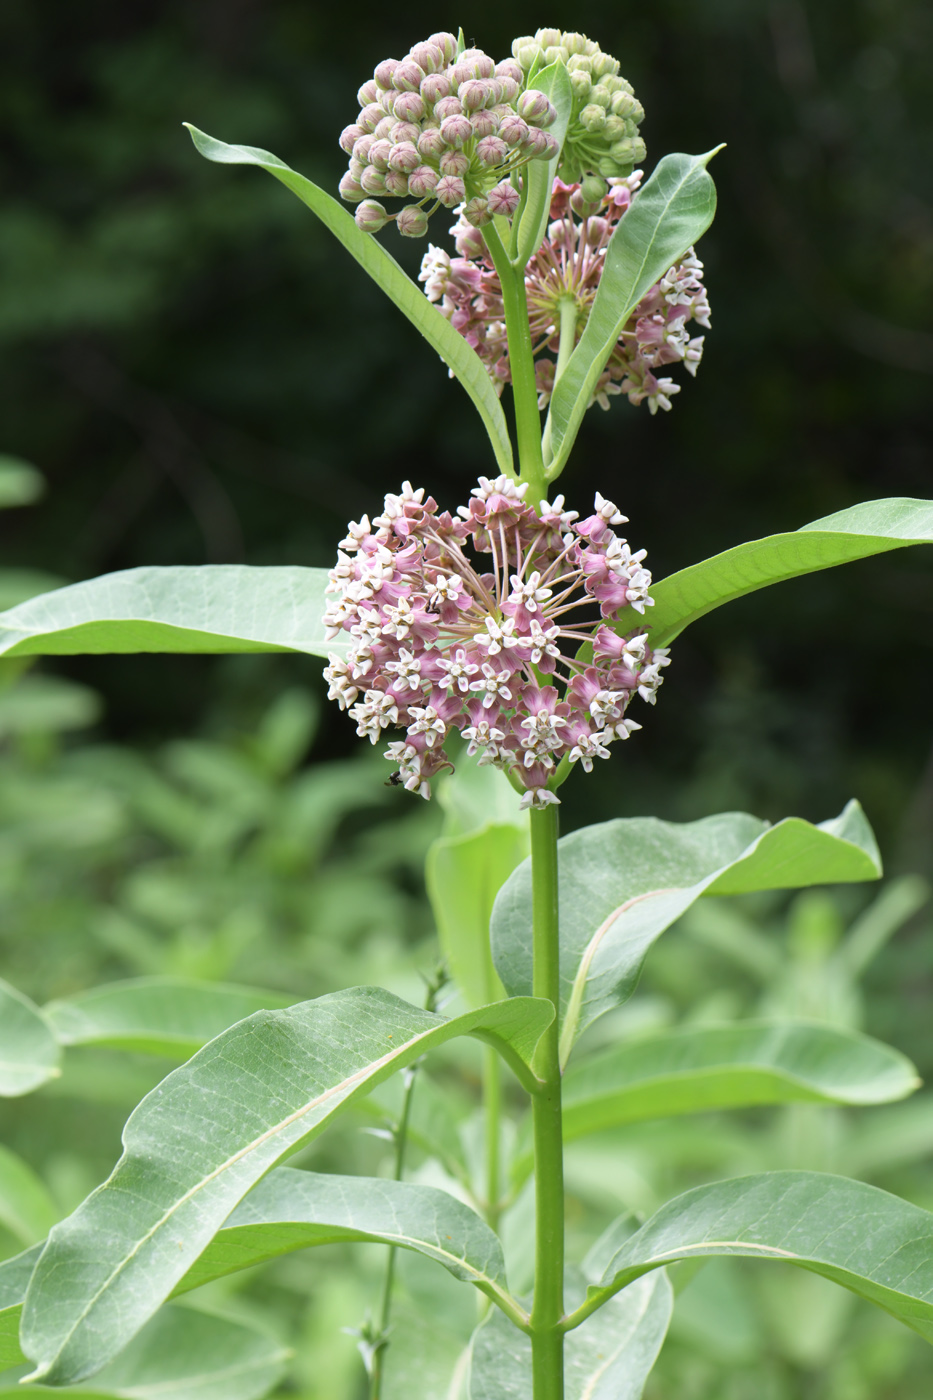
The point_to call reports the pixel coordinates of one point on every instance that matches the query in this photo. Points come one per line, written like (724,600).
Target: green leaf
(665,218)
(460,357)
(293,1209)
(206,1135)
(874,527)
(463,875)
(622,883)
(172,1016)
(26,1208)
(873,1243)
(14,1280)
(201,608)
(186,1355)
(555,82)
(29,1053)
(701,1069)
(47,704)
(20,483)
(609,1357)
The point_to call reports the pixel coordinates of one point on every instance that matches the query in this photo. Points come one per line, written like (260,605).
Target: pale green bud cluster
(602,138)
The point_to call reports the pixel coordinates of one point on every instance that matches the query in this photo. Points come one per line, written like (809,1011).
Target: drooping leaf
(873,1243)
(468,368)
(186,1355)
(292,1209)
(622,883)
(703,1068)
(201,608)
(874,527)
(14,1280)
(20,483)
(609,1357)
(554,80)
(666,216)
(205,1136)
(29,1053)
(26,1208)
(171,1016)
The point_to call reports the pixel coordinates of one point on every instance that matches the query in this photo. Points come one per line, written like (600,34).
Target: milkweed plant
(515,634)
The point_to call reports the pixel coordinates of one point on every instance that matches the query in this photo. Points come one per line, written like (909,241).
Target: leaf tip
(708,156)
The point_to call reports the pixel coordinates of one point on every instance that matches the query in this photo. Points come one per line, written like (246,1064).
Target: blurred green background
(202,375)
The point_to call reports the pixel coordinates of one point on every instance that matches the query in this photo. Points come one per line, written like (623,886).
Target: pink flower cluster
(564,274)
(445,126)
(517,657)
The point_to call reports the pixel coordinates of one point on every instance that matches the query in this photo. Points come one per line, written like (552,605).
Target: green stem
(521,365)
(385,1312)
(547,1312)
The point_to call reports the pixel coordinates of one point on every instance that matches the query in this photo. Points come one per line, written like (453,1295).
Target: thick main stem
(521,365)
(546,1334)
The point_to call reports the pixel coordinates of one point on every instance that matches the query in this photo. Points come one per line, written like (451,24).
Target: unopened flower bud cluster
(602,138)
(439,640)
(443,127)
(567,269)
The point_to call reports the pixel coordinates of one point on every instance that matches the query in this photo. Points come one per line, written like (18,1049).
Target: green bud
(604,63)
(593,117)
(623,152)
(602,95)
(581,83)
(615,128)
(622,103)
(579,63)
(547,37)
(556,53)
(575,43)
(593,189)
(476,212)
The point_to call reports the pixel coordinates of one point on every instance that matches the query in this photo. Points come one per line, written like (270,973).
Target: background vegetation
(202,376)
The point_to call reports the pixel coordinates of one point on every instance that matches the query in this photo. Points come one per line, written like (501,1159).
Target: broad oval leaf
(26,1208)
(609,1357)
(533,221)
(292,1209)
(182,1354)
(197,608)
(667,215)
(171,1016)
(703,1068)
(623,882)
(460,357)
(874,527)
(14,1280)
(29,1052)
(206,1135)
(858,1236)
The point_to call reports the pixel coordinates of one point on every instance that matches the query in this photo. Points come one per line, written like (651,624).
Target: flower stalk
(547,1336)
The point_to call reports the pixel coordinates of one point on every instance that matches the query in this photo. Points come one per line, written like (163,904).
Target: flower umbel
(560,282)
(443,126)
(441,641)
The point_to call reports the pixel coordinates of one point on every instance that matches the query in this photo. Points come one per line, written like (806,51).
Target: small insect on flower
(524,653)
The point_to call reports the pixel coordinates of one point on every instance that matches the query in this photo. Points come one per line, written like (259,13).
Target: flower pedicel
(439,642)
